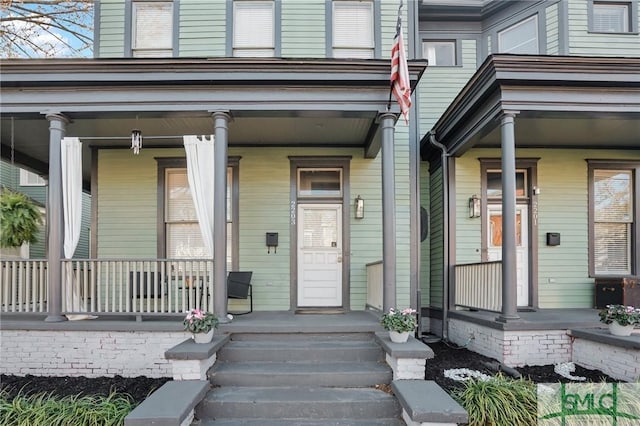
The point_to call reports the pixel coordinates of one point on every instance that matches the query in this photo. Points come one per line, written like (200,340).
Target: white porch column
(509,258)
(221,121)
(57,130)
(387,122)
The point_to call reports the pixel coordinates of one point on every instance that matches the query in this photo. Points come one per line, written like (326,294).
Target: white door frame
(320,269)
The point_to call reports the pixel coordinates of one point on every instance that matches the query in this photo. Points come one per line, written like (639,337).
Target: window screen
(353,29)
(253,29)
(610,17)
(152,29)
(521,38)
(613,217)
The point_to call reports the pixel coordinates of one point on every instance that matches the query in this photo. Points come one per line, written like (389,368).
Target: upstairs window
(521,38)
(610,17)
(253,28)
(152,29)
(353,35)
(440,53)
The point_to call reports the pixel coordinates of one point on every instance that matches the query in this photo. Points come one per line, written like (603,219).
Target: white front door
(494,245)
(319,255)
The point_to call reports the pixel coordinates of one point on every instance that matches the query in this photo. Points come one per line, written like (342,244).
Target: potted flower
(20,219)
(201,324)
(399,323)
(621,319)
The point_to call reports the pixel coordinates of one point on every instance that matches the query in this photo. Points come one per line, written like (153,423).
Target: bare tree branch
(46,28)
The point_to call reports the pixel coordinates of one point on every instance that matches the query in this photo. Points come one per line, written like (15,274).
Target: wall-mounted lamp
(474,206)
(359,206)
(136,141)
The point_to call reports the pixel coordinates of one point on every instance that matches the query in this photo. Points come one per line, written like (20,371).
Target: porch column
(509,275)
(221,133)
(57,130)
(387,121)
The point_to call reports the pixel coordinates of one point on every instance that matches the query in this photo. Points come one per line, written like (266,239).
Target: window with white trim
(440,53)
(613,221)
(28,178)
(609,17)
(520,38)
(152,29)
(253,28)
(183,239)
(353,33)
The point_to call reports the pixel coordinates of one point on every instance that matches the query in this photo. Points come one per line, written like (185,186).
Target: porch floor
(541,319)
(256,322)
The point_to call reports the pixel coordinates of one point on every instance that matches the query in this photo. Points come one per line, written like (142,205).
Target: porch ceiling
(559,102)
(273,102)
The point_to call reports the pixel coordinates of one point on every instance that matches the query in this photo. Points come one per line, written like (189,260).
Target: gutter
(445,233)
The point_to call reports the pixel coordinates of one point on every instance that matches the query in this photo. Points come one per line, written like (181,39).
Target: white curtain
(200,176)
(71,156)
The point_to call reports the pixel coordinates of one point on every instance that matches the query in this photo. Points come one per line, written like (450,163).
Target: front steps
(299,379)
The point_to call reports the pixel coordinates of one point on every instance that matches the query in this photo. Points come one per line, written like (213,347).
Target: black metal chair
(239,287)
(144,284)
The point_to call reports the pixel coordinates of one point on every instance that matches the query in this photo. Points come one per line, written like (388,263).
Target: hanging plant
(20,219)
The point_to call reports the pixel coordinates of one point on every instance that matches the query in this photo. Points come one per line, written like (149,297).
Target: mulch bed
(448,356)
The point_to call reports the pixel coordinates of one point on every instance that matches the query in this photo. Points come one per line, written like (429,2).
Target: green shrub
(20,219)
(44,409)
(499,401)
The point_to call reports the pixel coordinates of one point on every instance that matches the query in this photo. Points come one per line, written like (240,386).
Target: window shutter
(152,29)
(253,28)
(353,29)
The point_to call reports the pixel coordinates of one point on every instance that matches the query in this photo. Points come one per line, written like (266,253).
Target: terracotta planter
(398,337)
(203,337)
(620,330)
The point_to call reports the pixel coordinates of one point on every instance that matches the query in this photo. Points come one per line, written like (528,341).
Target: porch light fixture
(136,141)
(359,206)
(474,206)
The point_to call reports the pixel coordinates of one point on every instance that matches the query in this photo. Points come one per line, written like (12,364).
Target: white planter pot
(620,330)
(203,337)
(398,337)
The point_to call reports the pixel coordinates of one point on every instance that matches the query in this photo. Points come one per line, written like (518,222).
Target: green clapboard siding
(425,246)
(552,30)
(436,239)
(440,85)
(563,278)
(303,29)
(112,28)
(581,42)
(202,28)
(127,214)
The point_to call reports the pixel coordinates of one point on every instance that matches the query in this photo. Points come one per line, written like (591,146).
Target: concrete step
(299,422)
(297,403)
(318,337)
(301,349)
(348,374)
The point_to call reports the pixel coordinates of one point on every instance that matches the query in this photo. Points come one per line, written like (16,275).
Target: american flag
(400,83)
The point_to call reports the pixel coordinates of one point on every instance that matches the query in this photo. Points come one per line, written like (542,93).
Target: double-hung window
(182,237)
(253,28)
(440,53)
(353,32)
(614,220)
(520,38)
(608,16)
(152,29)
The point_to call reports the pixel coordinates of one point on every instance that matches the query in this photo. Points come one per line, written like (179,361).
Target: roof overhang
(273,102)
(559,101)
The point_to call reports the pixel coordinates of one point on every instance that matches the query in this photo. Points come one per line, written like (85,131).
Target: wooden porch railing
(23,285)
(111,286)
(374,284)
(479,286)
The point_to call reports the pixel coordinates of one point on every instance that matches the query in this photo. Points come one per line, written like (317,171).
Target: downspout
(445,234)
